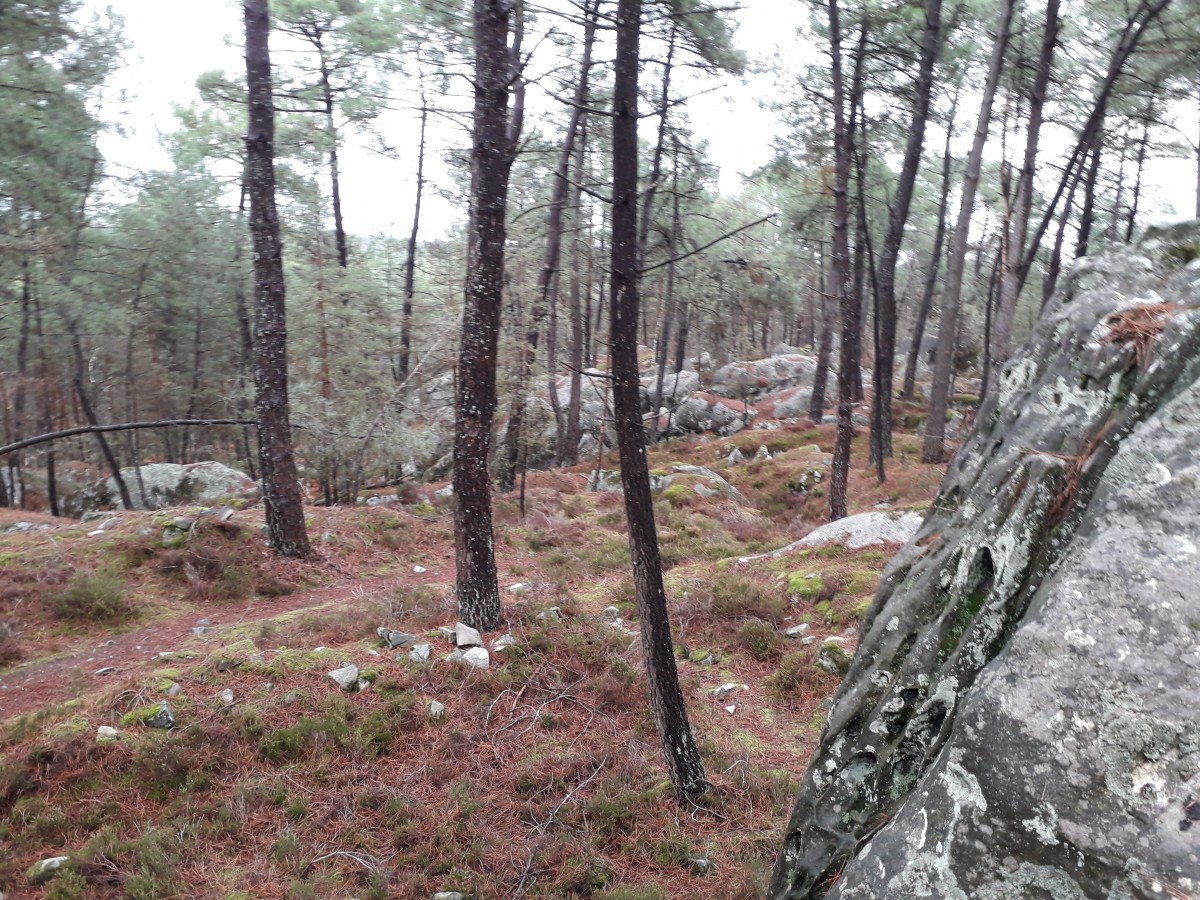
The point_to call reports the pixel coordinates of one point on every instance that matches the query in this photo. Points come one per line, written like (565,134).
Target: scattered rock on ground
(106,734)
(420,653)
(834,656)
(436,710)
(346,677)
(465,636)
(478,658)
(394,640)
(44,870)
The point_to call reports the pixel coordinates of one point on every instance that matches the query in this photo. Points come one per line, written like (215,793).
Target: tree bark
(339,227)
(548,273)
(843,142)
(935,425)
(569,448)
(281,487)
(684,765)
(475,406)
(931,274)
(816,407)
(410,258)
(889,252)
(1011,276)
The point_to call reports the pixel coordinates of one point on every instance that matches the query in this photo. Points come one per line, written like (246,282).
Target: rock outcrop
(1020,717)
(748,379)
(162,485)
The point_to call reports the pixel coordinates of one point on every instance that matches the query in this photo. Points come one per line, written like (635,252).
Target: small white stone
(436,710)
(478,658)
(106,734)
(731,709)
(418,570)
(797,630)
(503,642)
(519,588)
(420,653)
(727,688)
(226,697)
(107,670)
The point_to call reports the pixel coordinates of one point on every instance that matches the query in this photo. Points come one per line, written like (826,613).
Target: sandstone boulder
(1019,719)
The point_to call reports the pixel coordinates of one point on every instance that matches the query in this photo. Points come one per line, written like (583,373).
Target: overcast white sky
(172,43)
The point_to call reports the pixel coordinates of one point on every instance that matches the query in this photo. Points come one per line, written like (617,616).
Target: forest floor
(542,777)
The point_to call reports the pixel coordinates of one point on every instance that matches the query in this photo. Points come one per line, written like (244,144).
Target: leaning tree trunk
(889,253)
(410,256)
(934,450)
(1011,276)
(281,487)
(568,450)
(491,161)
(816,407)
(684,766)
(335,180)
(548,275)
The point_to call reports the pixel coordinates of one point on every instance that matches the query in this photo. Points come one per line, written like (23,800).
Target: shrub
(791,674)
(94,598)
(10,647)
(734,597)
(760,640)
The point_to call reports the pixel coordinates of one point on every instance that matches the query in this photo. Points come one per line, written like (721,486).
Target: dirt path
(42,682)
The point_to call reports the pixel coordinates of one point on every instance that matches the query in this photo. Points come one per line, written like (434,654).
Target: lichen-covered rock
(161,485)
(1020,717)
(863,530)
(703,412)
(754,378)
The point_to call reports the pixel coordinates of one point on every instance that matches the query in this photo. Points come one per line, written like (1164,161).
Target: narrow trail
(49,681)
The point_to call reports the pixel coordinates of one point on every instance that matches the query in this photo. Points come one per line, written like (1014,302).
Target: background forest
(125,298)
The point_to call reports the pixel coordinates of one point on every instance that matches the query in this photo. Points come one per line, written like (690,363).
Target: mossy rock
(42,871)
(678,495)
(805,585)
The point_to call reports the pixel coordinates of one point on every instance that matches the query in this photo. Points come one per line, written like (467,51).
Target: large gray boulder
(1020,718)
(161,485)
(748,379)
(703,412)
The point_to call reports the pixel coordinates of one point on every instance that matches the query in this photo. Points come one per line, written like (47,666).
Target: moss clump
(826,613)
(805,585)
(678,495)
(290,744)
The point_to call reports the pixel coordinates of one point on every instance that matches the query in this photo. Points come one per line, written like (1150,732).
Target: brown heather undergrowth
(542,779)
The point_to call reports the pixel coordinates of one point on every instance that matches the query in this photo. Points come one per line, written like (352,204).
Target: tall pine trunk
(281,487)
(934,450)
(889,253)
(475,406)
(684,766)
(410,255)
(1011,274)
(548,274)
(848,301)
